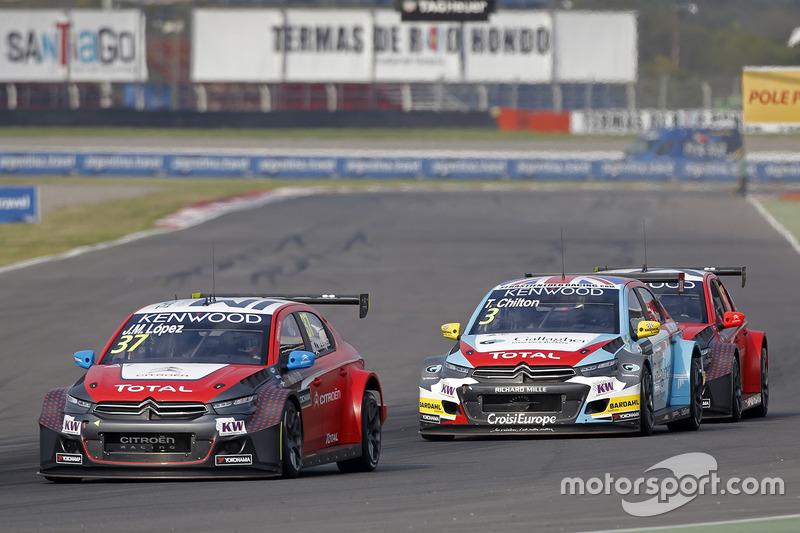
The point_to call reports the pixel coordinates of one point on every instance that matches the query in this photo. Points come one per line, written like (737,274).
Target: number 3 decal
(489,316)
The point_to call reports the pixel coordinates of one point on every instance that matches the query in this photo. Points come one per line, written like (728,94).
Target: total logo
(151,388)
(523,355)
(328,397)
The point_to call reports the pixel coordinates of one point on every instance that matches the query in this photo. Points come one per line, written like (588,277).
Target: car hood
(535,349)
(165,382)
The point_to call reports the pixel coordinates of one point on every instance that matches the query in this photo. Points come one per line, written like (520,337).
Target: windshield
(688,307)
(560,309)
(641,146)
(229,339)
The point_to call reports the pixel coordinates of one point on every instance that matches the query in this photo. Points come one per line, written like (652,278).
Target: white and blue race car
(563,354)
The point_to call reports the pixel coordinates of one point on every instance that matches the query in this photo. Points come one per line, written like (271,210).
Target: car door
(642,306)
(664,341)
(736,334)
(291,338)
(332,385)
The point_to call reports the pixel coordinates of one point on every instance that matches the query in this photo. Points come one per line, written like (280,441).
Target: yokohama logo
(69,458)
(226,460)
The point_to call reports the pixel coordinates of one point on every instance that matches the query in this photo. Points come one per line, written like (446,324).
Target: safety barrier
(600,166)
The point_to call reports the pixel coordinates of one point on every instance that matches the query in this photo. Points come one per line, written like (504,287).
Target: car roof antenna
(644,237)
(563,269)
(213,297)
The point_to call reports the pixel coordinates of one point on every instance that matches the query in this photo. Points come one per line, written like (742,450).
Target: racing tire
(438,438)
(693,421)
(291,440)
(647,413)
(370,437)
(736,392)
(761,410)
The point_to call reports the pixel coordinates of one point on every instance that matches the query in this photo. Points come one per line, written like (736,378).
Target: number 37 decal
(124,343)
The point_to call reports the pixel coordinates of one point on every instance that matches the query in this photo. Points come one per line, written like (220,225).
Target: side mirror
(733,319)
(299,359)
(84,358)
(647,328)
(452,330)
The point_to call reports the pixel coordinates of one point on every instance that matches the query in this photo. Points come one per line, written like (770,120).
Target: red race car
(735,357)
(217,386)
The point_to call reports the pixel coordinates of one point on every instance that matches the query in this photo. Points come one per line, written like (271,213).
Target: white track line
(774,223)
(699,524)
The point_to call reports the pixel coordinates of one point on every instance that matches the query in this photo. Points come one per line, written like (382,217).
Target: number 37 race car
(564,354)
(217,387)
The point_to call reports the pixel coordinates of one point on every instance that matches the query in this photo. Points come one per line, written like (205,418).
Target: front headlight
(606,368)
(76,405)
(460,370)
(245,404)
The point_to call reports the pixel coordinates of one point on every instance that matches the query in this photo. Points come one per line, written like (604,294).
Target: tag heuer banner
(445,10)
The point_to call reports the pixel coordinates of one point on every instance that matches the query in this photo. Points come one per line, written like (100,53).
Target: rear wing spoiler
(650,277)
(718,270)
(646,277)
(361,300)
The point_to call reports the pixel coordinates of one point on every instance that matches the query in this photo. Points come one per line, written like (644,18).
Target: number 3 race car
(734,356)
(217,387)
(571,354)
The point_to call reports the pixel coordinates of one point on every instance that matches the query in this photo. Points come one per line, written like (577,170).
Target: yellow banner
(771,95)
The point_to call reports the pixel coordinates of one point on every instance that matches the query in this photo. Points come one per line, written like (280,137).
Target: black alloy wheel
(292,440)
(647,417)
(692,422)
(762,409)
(370,437)
(736,392)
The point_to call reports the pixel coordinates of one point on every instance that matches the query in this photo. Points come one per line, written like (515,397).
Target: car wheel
(435,438)
(292,440)
(736,392)
(370,437)
(647,417)
(761,410)
(692,423)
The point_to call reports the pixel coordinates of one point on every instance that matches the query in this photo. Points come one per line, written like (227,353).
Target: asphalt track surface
(426,258)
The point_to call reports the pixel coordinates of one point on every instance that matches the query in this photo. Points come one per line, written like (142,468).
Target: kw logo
(230,426)
(603,388)
(71,426)
(448,390)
